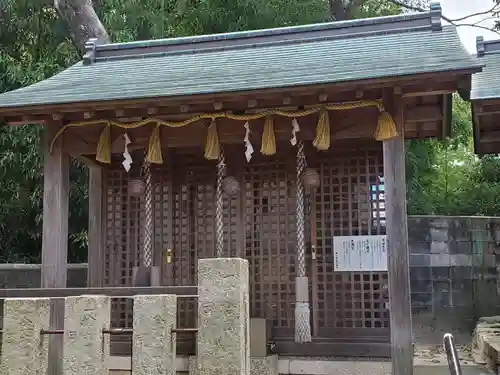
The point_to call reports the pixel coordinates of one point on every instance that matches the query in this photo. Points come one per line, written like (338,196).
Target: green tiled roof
(286,57)
(486,85)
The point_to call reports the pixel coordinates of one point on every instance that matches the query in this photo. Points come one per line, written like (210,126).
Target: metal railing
(451,354)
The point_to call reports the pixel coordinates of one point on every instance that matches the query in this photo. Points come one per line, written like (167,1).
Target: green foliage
(131,20)
(446,178)
(443,178)
(35,45)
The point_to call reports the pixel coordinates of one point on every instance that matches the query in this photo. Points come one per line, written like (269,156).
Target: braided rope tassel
(302,312)
(148,214)
(301,246)
(219,206)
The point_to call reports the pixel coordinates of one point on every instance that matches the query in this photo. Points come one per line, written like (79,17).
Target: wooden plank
(55,237)
(488,112)
(109,291)
(398,252)
(95,272)
(424,113)
(55,216)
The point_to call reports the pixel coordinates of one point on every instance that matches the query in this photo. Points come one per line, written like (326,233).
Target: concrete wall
(453,275)
(28,275)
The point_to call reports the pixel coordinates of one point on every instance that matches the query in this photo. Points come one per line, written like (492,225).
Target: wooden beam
(424,113)
(486,102)
(95,272)
(450,90)
(55,237)
(117,292)
(488,148)
(487,112)
(491,136)
(345,125)
(397,237)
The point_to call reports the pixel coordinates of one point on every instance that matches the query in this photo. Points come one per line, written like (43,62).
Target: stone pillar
(24,350)
(223,317)
(86,349)
(153,345)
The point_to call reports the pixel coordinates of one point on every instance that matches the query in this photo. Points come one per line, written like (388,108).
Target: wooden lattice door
(349,201)
(259,225)
(269,229)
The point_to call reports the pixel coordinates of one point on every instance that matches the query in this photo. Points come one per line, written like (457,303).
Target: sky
(460,8)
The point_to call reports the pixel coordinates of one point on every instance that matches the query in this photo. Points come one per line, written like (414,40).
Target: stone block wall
(453,275)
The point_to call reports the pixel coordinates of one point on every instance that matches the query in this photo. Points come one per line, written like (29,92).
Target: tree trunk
(82,20)
(342,10)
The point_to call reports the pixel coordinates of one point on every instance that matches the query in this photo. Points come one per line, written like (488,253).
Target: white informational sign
(360,253)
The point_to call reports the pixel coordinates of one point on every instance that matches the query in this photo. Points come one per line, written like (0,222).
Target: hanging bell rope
(322,140)
(155,155)
(212,146)
(103,153)
(219,206)
(302,311)
(268,138)
(143,273)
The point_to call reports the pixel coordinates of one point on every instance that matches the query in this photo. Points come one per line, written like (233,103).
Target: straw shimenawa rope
(268,146)
(386,129)
(154,155)
(103,153)
(212,146)
(322,140)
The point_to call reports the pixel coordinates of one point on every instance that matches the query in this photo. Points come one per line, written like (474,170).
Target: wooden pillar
(55,238)
(95,271)
(397,236)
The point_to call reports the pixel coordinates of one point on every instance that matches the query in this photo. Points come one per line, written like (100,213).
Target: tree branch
(479,27)
(493,9)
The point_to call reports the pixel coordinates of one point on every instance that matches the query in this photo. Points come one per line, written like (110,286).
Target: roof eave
(88,104)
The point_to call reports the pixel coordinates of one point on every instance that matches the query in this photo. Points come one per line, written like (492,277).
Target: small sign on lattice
(360,253)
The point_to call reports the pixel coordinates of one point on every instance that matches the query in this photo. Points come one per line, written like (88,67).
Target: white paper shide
(360,253)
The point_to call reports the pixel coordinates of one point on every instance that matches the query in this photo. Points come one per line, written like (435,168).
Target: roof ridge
(430,20)
(487,47)
(250,45)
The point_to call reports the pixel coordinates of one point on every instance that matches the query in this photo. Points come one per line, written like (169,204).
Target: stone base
(223,340)
(486,341)
(316,365)
(264,366)
(258,366)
